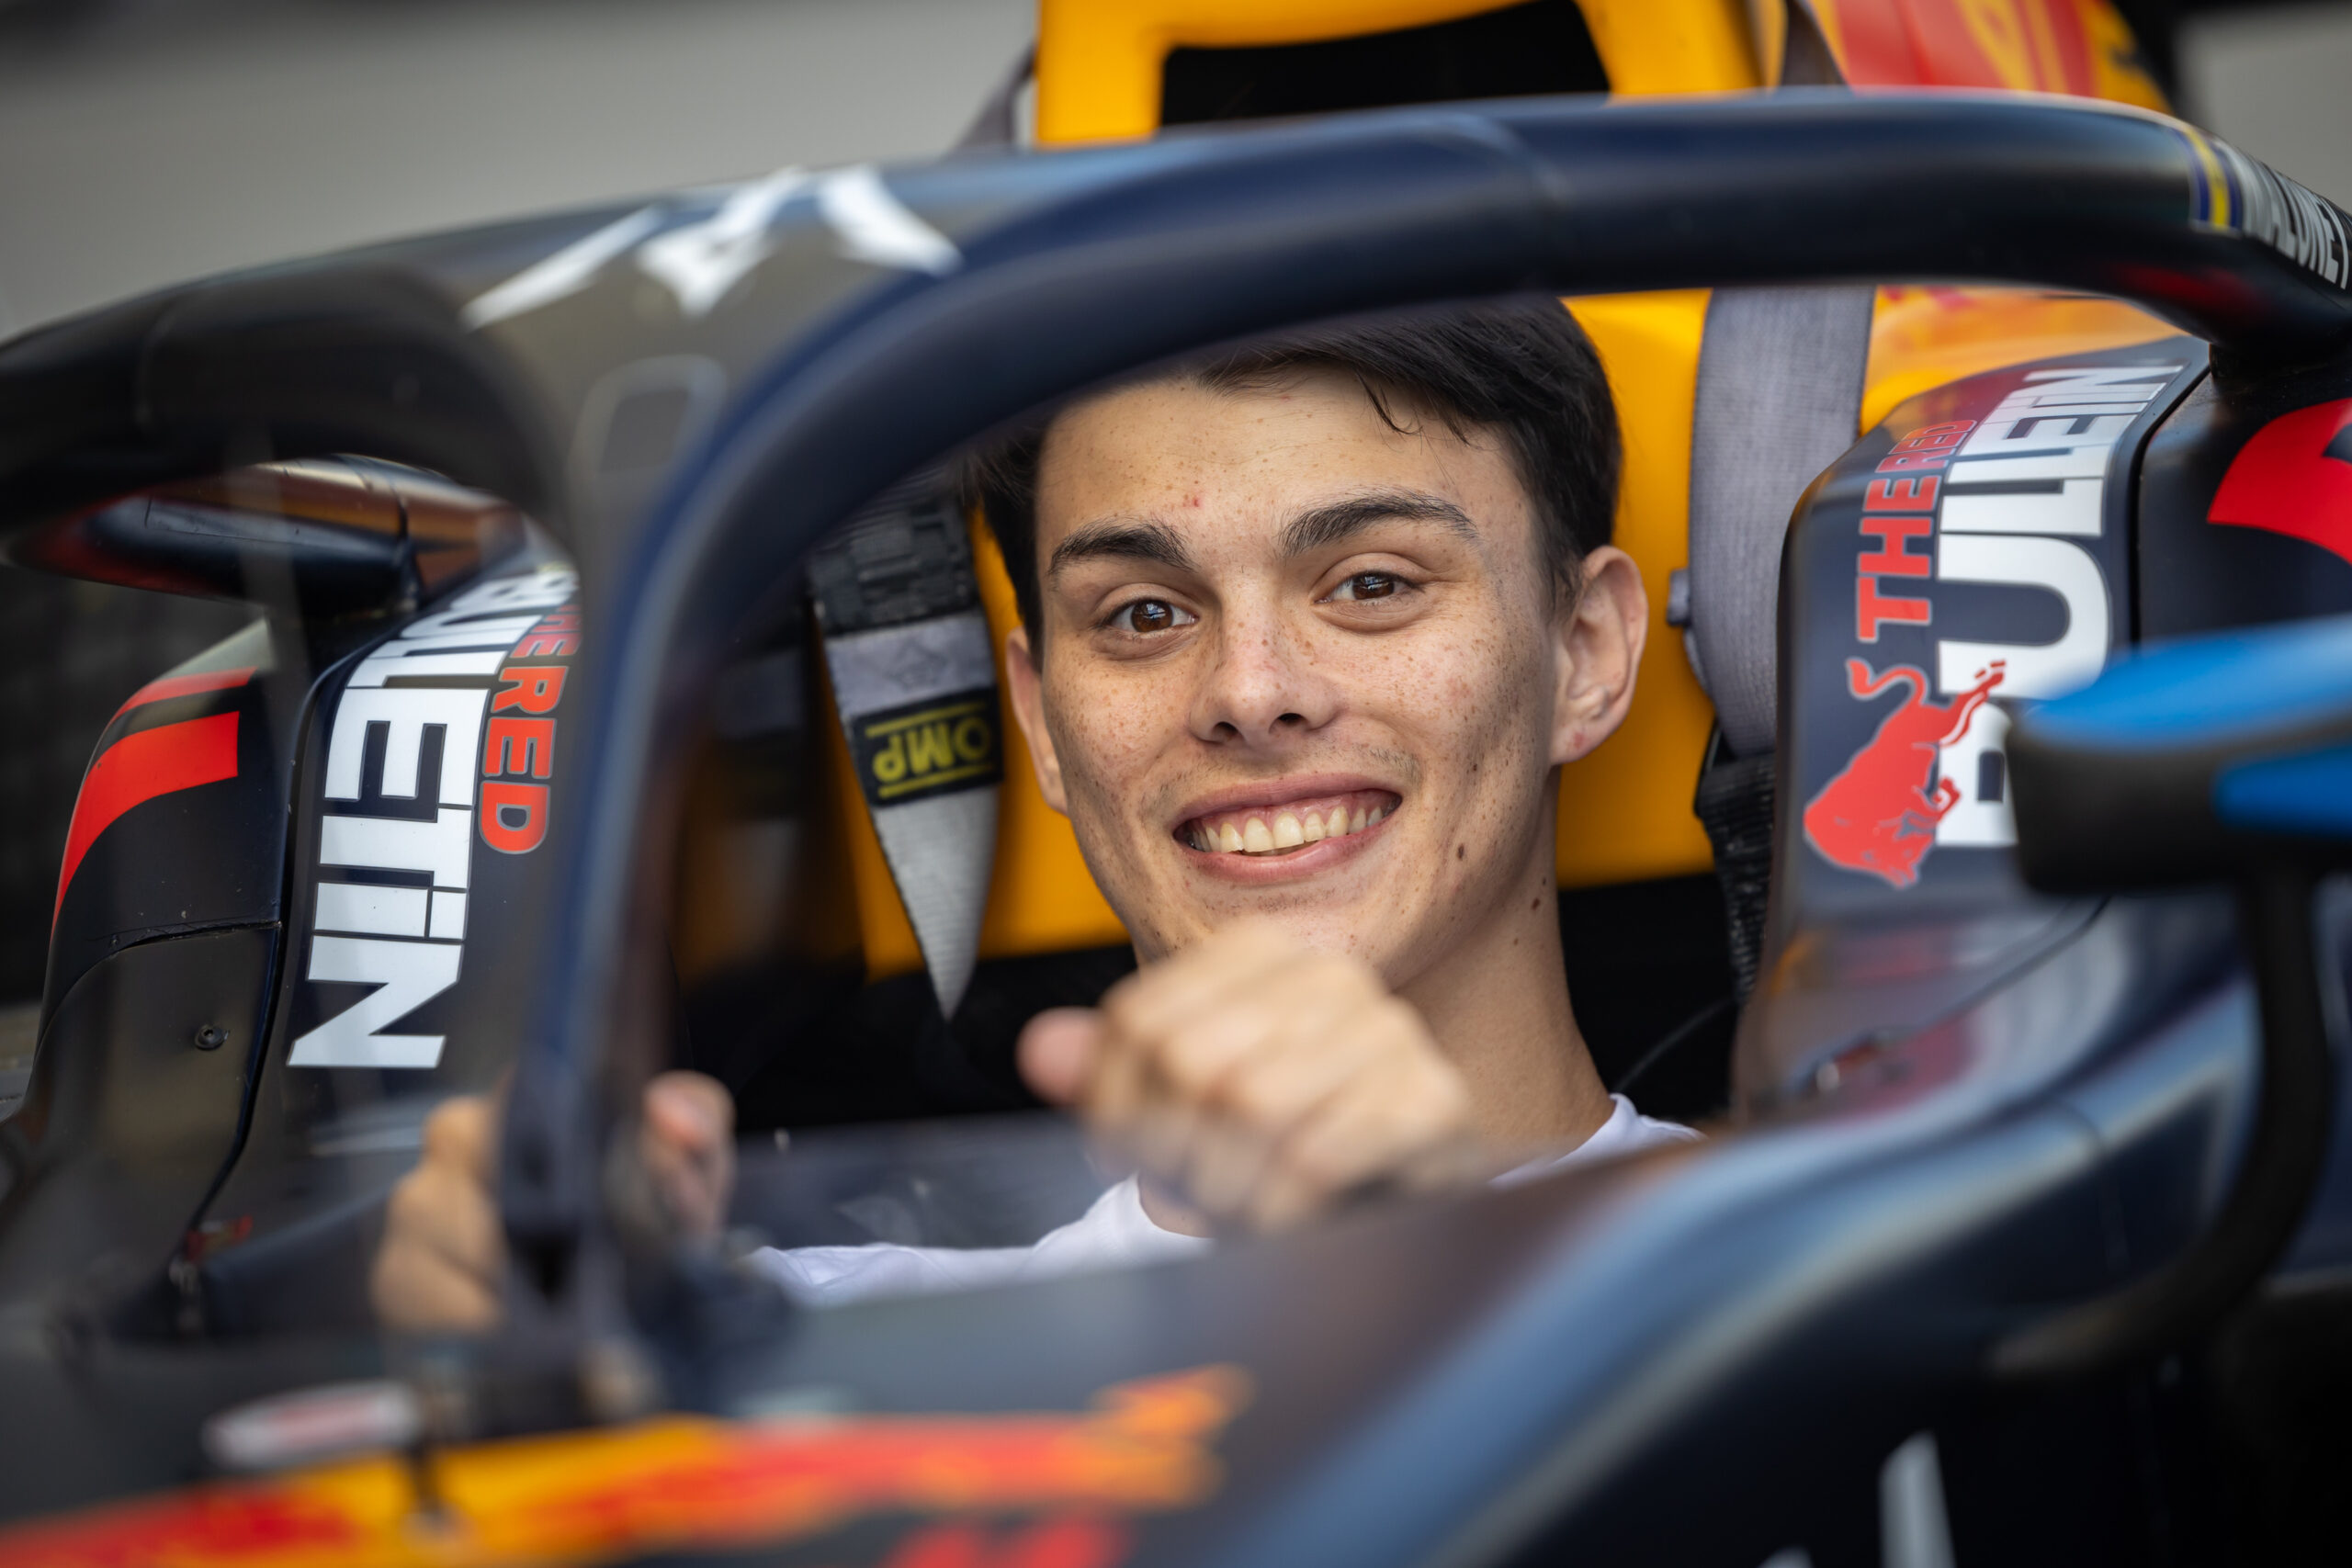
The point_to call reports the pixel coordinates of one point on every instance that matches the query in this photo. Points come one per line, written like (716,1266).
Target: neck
(1498,1005)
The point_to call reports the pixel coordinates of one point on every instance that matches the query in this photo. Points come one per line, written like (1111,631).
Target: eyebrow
(1154,542)
(1312,530)
(1342,520)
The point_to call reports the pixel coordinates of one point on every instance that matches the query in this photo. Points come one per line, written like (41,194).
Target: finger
(1116,1081)
(1165,1096)
(1395,1125)
(1276,1089)
(444,1211)
(416,1290)
(688,1149)
(1057,1053)
(462,1134)
(1194,1127)
(1143,1013)
(690,1111)
(1237,961)
(1227,1161)
(1318,1007)
(1152,1096)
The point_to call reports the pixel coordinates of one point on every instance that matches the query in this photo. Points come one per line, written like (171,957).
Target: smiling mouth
(1290,827)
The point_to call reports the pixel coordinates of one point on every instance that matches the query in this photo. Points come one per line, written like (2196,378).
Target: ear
(1027,685)
(1598,650)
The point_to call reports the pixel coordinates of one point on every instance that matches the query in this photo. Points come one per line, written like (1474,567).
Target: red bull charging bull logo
(1878,814)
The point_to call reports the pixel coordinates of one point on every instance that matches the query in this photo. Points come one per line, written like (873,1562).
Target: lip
(1311,860)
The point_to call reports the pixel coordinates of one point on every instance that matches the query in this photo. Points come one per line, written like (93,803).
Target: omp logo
(404,767)
(2294,478)
(929,747)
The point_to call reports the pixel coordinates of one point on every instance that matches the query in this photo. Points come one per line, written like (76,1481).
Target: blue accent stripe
(2310,793)
(2212,691)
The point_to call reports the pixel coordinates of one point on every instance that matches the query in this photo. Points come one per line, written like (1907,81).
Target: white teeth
(1290,830)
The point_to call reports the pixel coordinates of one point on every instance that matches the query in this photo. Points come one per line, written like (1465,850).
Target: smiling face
(1297,662)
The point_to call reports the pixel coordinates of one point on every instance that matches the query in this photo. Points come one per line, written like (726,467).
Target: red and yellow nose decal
(686,1484)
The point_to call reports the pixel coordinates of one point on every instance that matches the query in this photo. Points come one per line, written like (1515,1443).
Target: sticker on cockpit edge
(444,733)
(937,745)
(2229,191)
(1985,574)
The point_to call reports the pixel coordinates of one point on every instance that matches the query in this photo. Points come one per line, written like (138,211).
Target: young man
(1308,629)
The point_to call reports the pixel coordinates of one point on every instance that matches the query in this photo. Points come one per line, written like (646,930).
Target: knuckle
(1255,1097)
(1319,1166)
(1189,1062)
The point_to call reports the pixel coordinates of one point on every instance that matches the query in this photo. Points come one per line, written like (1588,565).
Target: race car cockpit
(626,695)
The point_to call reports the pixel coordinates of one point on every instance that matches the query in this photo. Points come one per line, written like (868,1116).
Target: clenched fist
(1260,1080)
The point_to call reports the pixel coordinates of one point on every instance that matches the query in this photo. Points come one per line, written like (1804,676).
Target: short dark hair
(1521,367)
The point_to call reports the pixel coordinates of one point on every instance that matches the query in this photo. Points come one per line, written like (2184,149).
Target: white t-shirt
(1114,1233)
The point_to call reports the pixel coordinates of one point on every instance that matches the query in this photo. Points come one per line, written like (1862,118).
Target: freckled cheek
(1108,741)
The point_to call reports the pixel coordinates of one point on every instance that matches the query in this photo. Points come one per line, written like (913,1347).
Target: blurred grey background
(146,142)
(141,143)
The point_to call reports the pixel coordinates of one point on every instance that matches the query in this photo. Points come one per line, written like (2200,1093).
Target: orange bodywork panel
(1625,812)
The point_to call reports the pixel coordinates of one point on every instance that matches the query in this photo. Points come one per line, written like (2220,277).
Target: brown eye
(1147,616)
(1367,585)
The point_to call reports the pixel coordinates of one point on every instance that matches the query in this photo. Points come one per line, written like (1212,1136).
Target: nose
(1264,685)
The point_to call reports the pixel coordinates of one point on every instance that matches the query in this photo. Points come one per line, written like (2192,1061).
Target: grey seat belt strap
(913,672)
(1779,398)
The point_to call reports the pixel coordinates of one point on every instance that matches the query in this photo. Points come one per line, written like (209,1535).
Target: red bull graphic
(1878,814)
(2295,478)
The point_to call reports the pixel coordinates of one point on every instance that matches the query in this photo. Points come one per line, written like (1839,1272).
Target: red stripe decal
(185,686)
(160,761)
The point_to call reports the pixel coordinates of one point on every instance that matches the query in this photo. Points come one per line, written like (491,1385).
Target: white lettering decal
(874,226)
(2072,509)
(408,975)
(409,711)
(2022,435)
(2056,429)
(2046,670)
(491,617)
(389,661)
(2289,218)
(443,846)
(566,273)
(701,262)
(379,911)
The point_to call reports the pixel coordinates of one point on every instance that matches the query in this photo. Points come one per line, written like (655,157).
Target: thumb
(1058,1052)
(690,1113)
